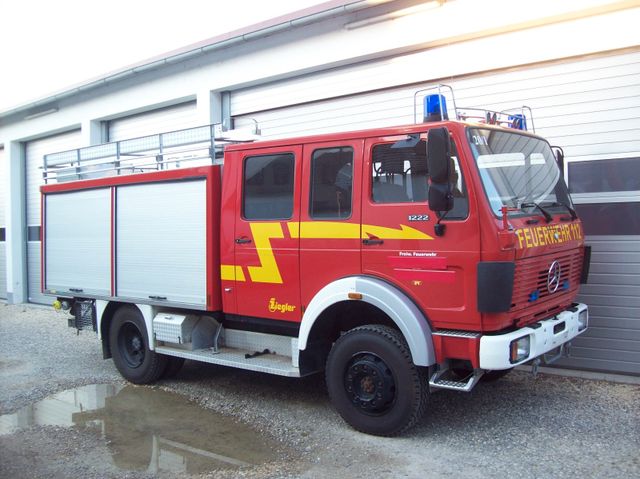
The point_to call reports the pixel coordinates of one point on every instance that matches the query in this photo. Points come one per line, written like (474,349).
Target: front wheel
(373,382)
(130,348)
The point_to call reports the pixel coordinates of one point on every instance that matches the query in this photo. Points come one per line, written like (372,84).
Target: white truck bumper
(505,351)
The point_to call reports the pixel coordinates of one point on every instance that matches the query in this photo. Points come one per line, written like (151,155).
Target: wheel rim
(131,343)
(369,384)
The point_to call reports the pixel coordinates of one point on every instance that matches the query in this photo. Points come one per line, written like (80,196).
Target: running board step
(238,358)
(439,380)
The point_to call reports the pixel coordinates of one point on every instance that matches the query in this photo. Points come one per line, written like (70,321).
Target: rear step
(442,380)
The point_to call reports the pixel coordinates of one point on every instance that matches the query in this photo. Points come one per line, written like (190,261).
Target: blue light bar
(435,108)
(519,122)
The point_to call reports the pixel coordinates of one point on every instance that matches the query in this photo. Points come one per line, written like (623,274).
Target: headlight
(583,319)
(520,349)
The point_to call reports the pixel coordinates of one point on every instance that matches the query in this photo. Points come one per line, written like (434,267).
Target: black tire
(130,348)
(373,383)
(174,365)
(494,375)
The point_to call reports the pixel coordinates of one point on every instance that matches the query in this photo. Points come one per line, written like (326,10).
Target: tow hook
(534,367)
(567,350)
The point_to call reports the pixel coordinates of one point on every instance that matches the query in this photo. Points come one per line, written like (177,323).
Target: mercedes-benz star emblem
(553,277)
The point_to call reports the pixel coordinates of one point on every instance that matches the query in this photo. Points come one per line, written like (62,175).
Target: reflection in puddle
(149,429)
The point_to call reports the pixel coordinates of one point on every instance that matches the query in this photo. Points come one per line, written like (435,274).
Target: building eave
(313,14)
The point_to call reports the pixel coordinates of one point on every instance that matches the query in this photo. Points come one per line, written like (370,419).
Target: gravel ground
(520,426)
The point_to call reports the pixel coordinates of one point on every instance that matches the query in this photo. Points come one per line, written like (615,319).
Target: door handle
(243,240)
(372,241)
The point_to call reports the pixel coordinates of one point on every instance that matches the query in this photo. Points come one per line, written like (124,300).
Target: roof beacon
(518,121)
(435,108)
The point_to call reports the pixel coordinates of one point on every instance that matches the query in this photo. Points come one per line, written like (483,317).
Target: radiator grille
(531,298)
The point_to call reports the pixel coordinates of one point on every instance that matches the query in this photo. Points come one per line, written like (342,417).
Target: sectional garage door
(172,118)
(588,105)
(34,152)
(4,186)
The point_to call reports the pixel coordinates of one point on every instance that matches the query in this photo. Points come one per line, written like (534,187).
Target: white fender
(148,313)
(402,311)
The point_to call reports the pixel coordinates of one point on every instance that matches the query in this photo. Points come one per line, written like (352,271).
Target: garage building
(346,65)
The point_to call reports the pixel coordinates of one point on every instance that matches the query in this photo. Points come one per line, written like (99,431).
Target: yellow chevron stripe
(268,271)
(230,272)
(263,233)
(338,230)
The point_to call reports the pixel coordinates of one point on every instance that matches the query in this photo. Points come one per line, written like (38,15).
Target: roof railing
(520,118)
(174,149)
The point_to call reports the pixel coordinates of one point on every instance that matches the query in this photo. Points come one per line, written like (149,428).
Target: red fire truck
(397,260)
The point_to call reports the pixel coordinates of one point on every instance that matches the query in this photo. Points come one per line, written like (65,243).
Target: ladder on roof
(169,150)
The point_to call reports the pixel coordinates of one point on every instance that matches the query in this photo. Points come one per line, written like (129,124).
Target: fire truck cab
(398,260)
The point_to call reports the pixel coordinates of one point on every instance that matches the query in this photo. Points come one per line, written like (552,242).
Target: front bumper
(544,336)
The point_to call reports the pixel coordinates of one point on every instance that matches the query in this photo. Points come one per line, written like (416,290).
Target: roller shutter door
(588,105)
(35,151)
(4,187)
(173,118)
(612,342)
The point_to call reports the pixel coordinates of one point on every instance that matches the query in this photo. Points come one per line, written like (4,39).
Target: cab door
(267,275)
(330,214)
(399,244)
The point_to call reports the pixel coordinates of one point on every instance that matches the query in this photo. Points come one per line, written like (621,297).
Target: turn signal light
(583,319)
(520,349)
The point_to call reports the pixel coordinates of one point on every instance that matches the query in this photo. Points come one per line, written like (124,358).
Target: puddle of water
(149,429)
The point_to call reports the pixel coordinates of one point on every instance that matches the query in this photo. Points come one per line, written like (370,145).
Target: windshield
(517,170)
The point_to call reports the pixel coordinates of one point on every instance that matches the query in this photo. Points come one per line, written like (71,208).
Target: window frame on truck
(318,158)
(248,189)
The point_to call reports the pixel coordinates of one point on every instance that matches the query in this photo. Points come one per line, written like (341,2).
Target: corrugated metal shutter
(4,187)
(612,342)
(590,106)
(162,120)
(35,151)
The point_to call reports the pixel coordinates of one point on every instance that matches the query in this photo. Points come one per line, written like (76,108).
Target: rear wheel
(373,382)
(130,347)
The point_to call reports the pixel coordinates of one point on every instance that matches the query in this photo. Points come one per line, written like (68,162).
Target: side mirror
(438,155)
(440,197)
(559,158)
(439,166)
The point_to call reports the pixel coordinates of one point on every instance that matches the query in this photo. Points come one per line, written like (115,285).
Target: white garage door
(172,118)
(590,106)
(35,151)
(4,186)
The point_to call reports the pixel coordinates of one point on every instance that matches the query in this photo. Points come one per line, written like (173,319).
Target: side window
(268,187)
(399,173)
(331,183)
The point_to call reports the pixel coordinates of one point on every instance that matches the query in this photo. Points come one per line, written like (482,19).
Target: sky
(49,45)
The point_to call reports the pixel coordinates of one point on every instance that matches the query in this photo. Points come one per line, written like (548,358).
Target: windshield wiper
(572,212)
(545,213)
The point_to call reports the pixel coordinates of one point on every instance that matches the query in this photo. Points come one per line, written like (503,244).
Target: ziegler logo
(274,306)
